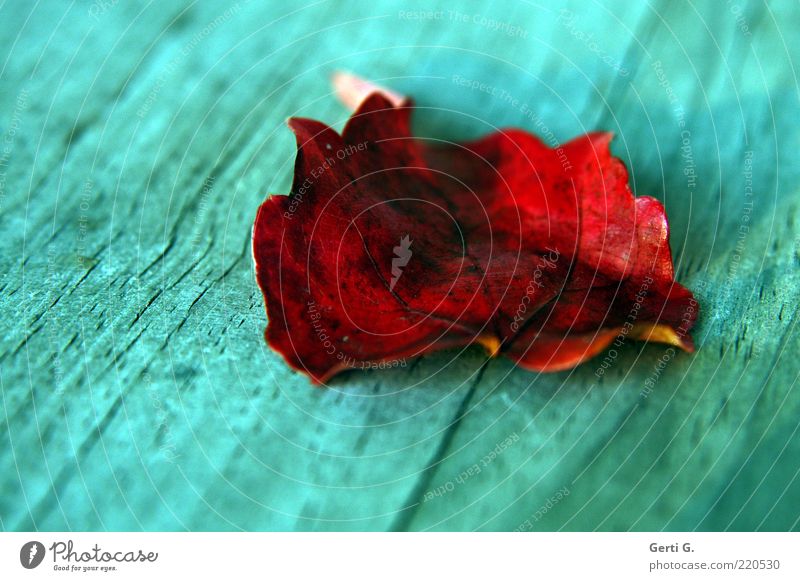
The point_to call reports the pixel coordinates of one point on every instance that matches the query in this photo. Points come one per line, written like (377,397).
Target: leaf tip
(660,333)
(352,90)
(491,343)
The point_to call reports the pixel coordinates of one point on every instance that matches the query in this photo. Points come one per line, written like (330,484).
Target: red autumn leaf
(389,247)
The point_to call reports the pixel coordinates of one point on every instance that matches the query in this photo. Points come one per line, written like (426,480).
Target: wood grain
(137,392)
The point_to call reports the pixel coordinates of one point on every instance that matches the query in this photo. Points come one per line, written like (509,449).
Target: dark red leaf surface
(389,247)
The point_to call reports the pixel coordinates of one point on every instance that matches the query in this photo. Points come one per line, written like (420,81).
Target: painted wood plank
(137,392)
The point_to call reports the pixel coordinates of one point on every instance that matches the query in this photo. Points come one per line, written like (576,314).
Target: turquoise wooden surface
(137,393)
